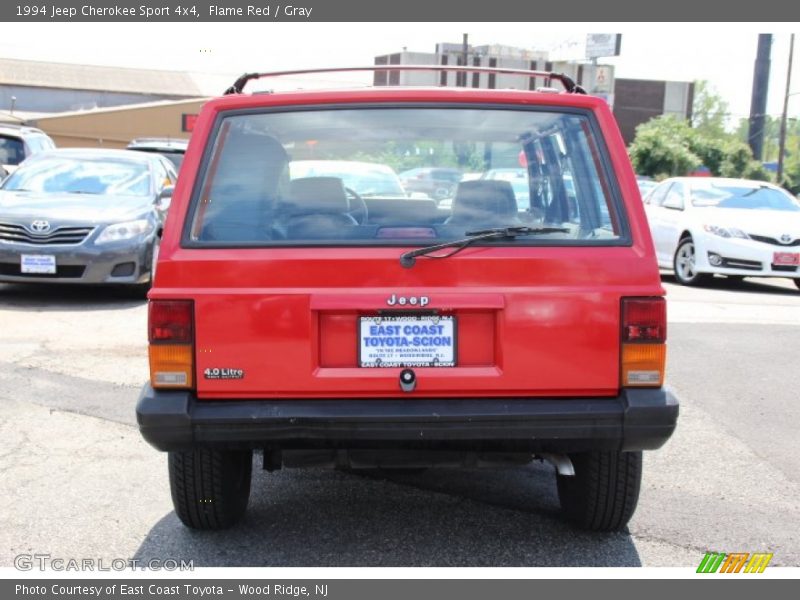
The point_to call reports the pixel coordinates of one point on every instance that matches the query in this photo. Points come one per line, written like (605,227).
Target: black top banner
(397,10)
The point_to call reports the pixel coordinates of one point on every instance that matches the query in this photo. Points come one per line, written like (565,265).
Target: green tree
(739,162)
(709,111)
(711,150)
(661,148)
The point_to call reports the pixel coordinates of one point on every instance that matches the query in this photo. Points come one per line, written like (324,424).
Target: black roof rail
(569,84)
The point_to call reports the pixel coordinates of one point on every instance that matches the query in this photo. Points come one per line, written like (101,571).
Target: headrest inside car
(318,195)
(492,196)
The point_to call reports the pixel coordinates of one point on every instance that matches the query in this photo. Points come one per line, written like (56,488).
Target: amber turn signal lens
(171,366)
(643,365)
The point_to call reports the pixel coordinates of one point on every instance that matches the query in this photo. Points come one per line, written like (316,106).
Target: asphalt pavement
(80,482)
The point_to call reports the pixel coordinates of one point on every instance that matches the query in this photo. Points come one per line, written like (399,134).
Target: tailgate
(556,336)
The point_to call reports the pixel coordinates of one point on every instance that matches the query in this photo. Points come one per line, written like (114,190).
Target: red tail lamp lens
(170,321)
(644,320)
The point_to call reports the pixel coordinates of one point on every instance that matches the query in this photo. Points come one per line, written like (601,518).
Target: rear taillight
(171,349)
(643,336)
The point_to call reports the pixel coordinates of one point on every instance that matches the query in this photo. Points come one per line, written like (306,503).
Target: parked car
(711,225)
(84,216)
(171,148)
(18,142)
(646,184)
(435,182)
(476,336)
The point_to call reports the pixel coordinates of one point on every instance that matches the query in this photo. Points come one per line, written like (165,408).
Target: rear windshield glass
(740,196)
(403,175)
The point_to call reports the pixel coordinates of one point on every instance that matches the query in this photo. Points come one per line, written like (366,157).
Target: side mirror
(165,197)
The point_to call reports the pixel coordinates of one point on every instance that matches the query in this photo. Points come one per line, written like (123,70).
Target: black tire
(683,266)
(210,488)
(603,493)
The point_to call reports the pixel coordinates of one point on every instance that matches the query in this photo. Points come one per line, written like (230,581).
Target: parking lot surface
(80,482)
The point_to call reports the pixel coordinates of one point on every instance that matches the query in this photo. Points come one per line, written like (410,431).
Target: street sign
(603,44)
(602,79)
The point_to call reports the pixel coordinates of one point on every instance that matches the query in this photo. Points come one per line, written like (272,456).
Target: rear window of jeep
(329,177)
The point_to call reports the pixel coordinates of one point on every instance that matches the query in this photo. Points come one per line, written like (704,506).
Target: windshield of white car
(12,150)
(746,197)
(81,175)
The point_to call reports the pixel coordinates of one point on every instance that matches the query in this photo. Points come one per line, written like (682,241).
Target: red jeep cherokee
(335,320)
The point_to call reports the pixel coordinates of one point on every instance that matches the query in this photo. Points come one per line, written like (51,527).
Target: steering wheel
(360,212)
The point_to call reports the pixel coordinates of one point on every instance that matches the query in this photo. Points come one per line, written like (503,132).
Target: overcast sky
(722,53)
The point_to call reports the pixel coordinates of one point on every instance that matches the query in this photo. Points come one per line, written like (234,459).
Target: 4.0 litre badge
(215,373)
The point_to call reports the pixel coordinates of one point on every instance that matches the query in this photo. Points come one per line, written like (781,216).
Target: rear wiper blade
(517,231)
(407,259)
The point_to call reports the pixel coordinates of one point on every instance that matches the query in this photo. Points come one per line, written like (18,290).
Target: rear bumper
(637,419)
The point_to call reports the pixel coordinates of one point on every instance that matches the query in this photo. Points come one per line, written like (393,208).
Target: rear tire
(603,493)
(683,264)
(210,488)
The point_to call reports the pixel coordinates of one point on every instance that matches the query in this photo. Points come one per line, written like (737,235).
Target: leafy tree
(739,162)
(661,148)
(711,151)
(667,146)
(709,111)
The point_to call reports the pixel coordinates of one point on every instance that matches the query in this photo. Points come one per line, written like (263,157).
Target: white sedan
(734,227)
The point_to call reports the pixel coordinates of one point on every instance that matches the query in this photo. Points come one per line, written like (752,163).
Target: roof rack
(569,84)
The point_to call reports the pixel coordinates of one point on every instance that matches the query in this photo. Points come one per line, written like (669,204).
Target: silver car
(84,216)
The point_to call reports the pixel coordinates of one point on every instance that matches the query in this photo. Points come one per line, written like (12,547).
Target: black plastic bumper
(637,419)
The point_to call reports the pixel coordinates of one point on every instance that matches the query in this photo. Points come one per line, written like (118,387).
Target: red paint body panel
(532,321)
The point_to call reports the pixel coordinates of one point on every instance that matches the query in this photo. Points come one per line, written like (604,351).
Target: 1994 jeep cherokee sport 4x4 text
(334,319)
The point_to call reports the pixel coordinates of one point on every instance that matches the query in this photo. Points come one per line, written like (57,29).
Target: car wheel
(684,264)
(603,493)
(210,488)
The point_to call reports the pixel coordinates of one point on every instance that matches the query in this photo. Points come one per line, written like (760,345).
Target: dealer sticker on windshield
(407,341)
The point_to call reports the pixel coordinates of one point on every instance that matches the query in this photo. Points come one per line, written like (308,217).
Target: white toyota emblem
(786,238)
(40,226)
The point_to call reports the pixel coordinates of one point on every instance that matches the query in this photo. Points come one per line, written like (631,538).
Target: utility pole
(758,103)
(464,59)
(782,139)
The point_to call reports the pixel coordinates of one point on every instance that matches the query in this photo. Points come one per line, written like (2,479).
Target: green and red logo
(735,562)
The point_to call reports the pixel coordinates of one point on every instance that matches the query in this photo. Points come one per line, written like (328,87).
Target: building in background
(639,100)
(597,79)
(48,87)
(99,106)
(634,101)
(114,127)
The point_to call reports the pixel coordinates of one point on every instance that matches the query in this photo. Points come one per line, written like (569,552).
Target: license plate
(38,263)
(786,258)
(407,341)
